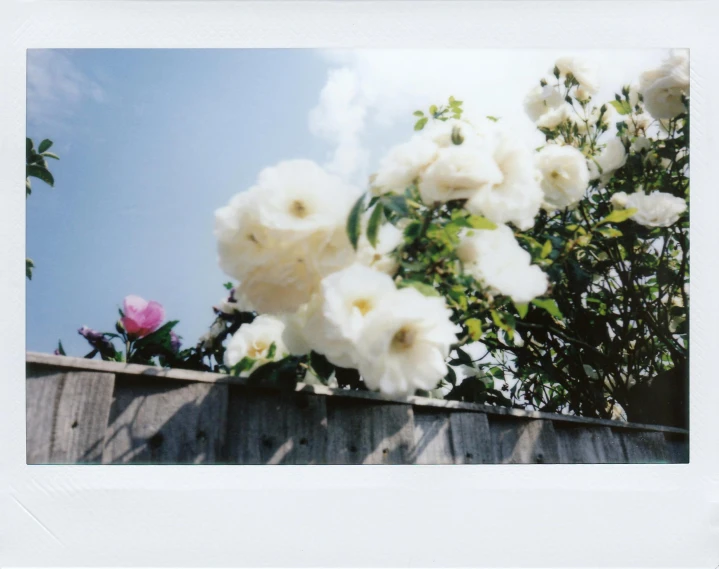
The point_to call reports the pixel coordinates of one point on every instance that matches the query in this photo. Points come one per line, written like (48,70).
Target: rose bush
(476,266)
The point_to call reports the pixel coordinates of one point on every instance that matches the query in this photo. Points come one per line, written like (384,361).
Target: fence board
(581,445)
(677,448)
(155,423)
(160,416)
(523,442)
(643,448)
(432,442)
(360,432)
(67,413)
(266,427)
(471,438)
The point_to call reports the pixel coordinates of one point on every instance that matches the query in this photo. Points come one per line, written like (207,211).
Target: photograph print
(294,256)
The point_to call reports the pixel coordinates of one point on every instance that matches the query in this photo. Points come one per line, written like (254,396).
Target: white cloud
(56,87)
(368,99)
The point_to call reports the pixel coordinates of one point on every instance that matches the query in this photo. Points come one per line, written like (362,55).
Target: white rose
(405,342)
(297,199)
(495,258)
(378,258)
(449,133)
(254,341)
(336,317)
(517,196)
(459,172)
(610,159)
(542,99)
(641,143)
(657,209)
(555,116)
(617,412)
(282,236)
(403,165)
(565,175)
(663,87)
(619,200)
(584,72)
(638,123)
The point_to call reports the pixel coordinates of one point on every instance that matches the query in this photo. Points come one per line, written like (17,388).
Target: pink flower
(140,316)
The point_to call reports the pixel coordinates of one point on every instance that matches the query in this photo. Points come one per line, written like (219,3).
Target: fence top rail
(71,363)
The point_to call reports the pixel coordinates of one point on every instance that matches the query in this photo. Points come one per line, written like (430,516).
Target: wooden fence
(89,411)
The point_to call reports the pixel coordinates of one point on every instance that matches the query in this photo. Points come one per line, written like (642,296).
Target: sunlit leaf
(353,221)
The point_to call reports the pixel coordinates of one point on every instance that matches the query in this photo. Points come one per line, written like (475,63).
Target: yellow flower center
(403,339)
(257,349)
(363,305)
(298,209)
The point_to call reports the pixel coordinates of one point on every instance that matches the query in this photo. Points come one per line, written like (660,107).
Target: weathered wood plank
(160,423)
(471,438)
(362,432)
(67,413)
(583,445)
(523,442)
(642,448)
(171,375)
(432,442)
(268,427)
(677,448)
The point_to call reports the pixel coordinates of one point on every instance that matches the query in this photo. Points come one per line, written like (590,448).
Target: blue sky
(152,142)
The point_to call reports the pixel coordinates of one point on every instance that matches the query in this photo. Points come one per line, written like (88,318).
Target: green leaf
(474,328)
(373,225)
(321,365)
(44,145)
(244,364)
(29,151)
(618,215)
(40,173)
(228,285)
(522,308)
(413,230)
(29,265)
(432,109)
(354,222)
(159,341)
(51,155)
(451,376)
(546,249)
(424,288)
(418,114)
(419,125)
(493,119)
(60,349)
(272,351)
(396,204)
(622,107)
(549,305)
(28,189)
(479,222)
(610,232)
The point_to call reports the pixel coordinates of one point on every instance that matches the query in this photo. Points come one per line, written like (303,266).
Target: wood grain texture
(644,448)
(172,375)
(471,438)
(432,440)
(157,423)
(523,442)
(66,415)
(177,416)
(266,427)
(369,433)
(582,445)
